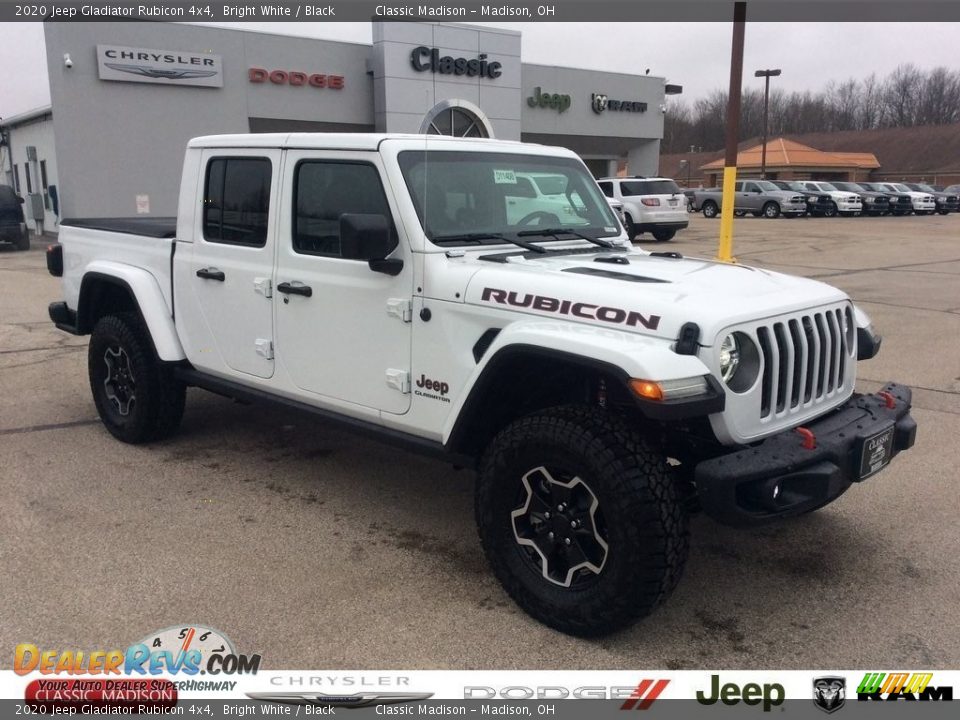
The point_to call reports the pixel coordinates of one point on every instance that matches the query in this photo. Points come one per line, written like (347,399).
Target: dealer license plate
(672,202)
(876,452)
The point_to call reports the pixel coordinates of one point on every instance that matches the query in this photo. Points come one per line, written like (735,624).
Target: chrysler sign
(164,67)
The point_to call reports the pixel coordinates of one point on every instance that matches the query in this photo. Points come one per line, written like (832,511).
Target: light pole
(766,75)
(725,249)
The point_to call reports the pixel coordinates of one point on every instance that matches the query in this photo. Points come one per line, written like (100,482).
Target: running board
(389,436)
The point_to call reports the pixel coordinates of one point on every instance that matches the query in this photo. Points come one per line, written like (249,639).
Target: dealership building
(126,98)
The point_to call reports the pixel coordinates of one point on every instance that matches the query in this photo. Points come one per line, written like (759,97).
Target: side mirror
(368,237)
(20,199)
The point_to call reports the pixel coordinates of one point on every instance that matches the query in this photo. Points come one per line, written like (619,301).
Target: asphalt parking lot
(318,549)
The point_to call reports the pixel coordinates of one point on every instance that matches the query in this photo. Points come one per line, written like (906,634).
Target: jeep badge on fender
(561,363)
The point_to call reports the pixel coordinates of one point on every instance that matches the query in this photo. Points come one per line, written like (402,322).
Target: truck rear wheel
(580,520)
(136,395)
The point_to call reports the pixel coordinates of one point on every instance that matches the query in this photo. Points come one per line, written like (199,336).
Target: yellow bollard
(725,251)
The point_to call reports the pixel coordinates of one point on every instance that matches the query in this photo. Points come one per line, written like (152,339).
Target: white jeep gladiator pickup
(601,392)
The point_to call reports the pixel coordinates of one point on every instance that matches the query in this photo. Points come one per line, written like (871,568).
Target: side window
(811,186)
(750,187)
(16,178)
(325,190)
(236,201)
(606,188)
(26,167)
(738,186)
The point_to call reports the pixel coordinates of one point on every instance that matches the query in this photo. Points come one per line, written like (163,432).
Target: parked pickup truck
(379,281)
(758,197)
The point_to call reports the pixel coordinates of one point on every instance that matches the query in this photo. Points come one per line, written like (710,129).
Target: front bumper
(849,206)
(780,477)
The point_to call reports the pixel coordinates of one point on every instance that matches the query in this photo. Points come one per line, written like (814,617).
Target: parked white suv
(847,203)
(654,205)
(923,202)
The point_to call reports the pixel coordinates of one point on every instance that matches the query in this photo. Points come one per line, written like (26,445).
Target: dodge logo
(598,102)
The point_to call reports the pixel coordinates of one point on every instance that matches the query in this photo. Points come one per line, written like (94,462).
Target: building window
(324,192)
(16,178)
(458,118)
(236,201)
(26,168)
(458,123)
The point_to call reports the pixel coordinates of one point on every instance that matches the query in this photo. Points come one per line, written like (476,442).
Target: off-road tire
(664,235)
(771,210)
(159,397)
(642,509)
(710,209)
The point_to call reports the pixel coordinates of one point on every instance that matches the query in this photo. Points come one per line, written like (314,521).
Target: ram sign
(164,67)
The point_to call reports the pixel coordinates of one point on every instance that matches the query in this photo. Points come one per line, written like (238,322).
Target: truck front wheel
(136,395)
(580,520)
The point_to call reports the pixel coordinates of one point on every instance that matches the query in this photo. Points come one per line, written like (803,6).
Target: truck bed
(114,247)
(156,227)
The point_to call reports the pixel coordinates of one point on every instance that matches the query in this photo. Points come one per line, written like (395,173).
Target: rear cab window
(236,200)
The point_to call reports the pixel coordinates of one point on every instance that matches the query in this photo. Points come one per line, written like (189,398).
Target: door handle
(298,289)
(211,274)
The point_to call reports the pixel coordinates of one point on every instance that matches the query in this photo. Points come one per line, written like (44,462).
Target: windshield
(767,186)
(851,187)
(796,186)
(901,188)
(473,197)
(648,187)
(826,186)
(927,188)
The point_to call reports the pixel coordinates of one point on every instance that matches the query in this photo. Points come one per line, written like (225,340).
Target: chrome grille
(805,359)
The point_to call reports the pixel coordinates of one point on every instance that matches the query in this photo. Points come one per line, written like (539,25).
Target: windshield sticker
(609,228)
(504,177)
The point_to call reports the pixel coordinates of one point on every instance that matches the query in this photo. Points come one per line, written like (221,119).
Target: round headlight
(729,357)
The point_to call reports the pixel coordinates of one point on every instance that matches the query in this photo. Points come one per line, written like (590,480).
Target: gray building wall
(403,96)
(120,140)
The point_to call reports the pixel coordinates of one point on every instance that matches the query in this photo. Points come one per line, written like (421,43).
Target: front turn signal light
(670,389)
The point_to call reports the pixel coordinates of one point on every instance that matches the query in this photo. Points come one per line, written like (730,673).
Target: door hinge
(401,308)
(264,348)
(398,380)
(263,286)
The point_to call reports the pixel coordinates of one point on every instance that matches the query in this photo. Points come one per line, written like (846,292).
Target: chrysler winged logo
(829,693)
(598,102)
(357,700)
(152,72)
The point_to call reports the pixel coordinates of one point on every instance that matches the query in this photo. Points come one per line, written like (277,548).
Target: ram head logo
(829,693)
(598,102)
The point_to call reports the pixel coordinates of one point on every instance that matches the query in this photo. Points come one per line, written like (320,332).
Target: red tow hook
(809,439)
(888,399)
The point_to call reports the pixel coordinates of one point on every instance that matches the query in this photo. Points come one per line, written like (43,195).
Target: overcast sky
(695,55)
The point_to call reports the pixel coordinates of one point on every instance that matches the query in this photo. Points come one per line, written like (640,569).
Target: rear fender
(146,294)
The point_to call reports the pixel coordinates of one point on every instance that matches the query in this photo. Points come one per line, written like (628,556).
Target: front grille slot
(805,360)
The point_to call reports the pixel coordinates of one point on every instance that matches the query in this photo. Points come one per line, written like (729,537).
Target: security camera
(67,62)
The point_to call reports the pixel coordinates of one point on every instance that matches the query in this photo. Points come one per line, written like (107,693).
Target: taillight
(650,202)
(55,259)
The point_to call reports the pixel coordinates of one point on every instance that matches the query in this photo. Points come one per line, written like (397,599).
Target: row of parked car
(773,198)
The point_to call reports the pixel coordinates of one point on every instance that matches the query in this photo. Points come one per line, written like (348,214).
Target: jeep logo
(771,695)
(432,389)
(548,100)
